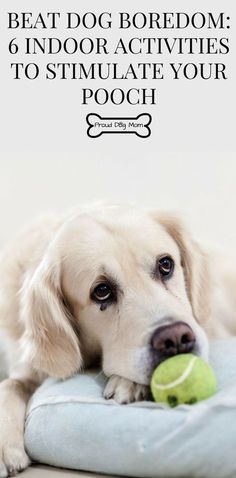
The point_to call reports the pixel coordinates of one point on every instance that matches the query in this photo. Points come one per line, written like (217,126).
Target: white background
(188,164)
(199,186)
(43,115)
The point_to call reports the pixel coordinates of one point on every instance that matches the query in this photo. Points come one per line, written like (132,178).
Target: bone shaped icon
(138,125)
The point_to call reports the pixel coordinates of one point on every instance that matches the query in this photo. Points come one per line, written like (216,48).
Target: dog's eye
(166,267)
(102,292)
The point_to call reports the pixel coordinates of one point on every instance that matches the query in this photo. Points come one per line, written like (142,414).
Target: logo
(138,125)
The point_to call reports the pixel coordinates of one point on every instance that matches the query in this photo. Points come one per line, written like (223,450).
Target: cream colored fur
(52,327)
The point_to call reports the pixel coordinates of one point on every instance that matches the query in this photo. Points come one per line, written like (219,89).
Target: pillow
(70,425)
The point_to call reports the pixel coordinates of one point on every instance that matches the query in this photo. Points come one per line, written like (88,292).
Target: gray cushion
(70,425)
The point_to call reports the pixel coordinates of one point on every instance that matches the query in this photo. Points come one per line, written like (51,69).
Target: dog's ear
(50,343)
(195,265)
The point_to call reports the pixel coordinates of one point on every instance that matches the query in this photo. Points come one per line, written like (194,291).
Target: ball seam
(179,380)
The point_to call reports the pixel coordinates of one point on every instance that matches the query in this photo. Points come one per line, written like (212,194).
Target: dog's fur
(53,327)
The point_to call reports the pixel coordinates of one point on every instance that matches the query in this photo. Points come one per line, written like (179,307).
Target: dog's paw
(13,460)
(123,390)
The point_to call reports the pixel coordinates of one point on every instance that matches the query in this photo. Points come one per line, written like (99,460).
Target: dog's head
(125,286)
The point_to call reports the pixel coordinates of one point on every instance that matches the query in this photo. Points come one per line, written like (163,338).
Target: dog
(112,285)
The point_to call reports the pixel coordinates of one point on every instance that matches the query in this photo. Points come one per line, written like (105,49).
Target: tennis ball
(183,378)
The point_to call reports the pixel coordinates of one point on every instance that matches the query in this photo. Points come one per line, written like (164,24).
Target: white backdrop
(200,186)
(50,164)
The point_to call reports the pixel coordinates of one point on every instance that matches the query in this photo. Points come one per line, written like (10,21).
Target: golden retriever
(117,285)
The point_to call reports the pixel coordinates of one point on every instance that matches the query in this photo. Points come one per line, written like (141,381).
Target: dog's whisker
(99,374)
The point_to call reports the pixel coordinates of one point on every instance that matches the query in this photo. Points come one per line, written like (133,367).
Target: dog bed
(70,425)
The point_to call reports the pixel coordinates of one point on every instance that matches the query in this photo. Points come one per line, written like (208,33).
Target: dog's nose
(169,340)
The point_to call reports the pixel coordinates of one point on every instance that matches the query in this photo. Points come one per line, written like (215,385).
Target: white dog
(118,285)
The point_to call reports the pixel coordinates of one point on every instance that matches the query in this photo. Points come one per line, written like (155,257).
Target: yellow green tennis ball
(183,378)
